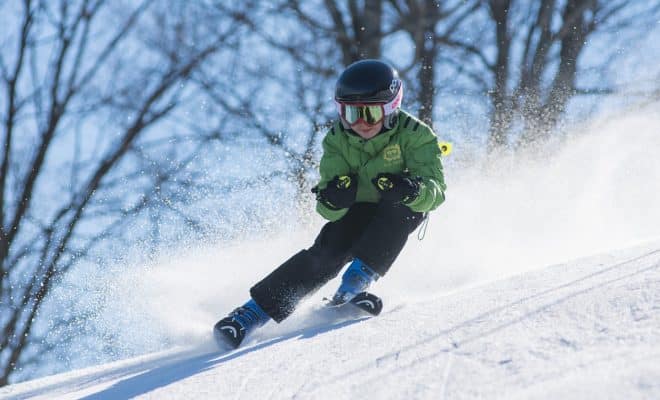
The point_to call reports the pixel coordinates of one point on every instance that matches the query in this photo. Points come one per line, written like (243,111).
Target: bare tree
(523,56)
(430,26)
(356,26)
(359,30)
(77,132)
(534,72)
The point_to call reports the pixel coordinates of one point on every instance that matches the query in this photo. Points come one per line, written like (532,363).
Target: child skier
(380,174)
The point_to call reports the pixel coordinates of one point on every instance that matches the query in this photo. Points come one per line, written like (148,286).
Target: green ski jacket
(410,148)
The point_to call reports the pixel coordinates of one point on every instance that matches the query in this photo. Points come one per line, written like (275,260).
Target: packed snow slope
(538,278)
(589,328)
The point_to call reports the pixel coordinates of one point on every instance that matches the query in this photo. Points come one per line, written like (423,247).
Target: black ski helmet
(371,81)
(368,81)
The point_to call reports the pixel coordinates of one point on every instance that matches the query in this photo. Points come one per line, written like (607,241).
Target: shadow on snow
(180,369)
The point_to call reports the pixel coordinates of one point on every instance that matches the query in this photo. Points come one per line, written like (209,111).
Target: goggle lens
(371,114)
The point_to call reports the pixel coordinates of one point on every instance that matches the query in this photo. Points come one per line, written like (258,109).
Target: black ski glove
(340,192)
(395,188)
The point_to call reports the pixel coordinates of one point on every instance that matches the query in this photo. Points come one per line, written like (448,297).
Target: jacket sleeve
(422,157)
(332,164)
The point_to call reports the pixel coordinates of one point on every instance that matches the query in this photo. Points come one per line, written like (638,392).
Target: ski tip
(228,335)
(365,301)
(368,302)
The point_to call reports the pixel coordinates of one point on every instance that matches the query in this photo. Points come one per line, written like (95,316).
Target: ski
(228,334)
(365,301)
(368,302)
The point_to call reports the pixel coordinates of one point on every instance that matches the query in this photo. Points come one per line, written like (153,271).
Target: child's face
(365,130)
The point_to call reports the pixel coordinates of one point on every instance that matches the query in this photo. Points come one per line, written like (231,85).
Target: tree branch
(9,128)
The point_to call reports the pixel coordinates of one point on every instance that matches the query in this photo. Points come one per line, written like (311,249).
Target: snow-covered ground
(589,328)
(538,278)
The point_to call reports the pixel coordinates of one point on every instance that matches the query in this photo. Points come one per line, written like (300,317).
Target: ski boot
(355,280)
(230,331)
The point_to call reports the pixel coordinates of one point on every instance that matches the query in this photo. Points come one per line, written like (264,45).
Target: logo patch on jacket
(392,153)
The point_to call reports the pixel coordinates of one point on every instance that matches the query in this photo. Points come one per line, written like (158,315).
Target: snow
(588,328)
(535,280)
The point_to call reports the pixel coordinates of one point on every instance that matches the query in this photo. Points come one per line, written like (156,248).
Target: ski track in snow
(584,329)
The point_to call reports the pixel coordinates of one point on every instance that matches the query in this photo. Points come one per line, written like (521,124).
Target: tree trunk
(502,106)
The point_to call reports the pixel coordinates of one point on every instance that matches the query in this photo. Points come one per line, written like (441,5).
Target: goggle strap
(390,107)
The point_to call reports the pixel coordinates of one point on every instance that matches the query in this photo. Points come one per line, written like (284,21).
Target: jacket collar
(374,145)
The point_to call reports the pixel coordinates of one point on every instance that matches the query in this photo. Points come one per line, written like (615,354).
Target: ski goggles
(370,113)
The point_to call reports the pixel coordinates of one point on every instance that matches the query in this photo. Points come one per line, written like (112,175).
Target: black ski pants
(374,233)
